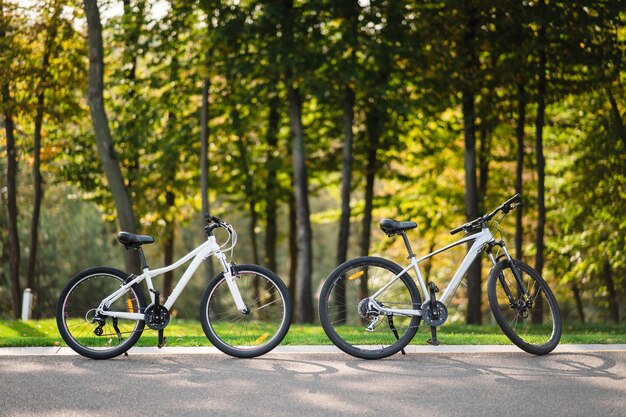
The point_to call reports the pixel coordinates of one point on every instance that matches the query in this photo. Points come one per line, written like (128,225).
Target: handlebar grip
(211,219)
(516,198)
(456,230)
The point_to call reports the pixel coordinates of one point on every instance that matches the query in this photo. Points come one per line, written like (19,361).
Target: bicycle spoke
(249,331)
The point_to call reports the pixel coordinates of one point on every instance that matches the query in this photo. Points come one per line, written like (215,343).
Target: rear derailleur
(369,309)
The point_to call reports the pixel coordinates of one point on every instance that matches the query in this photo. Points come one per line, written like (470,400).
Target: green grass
(15,333)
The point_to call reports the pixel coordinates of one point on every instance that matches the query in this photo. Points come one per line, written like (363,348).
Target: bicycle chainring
(157,317)
(438,316)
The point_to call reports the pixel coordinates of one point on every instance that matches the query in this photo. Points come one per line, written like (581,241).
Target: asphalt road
(292,384)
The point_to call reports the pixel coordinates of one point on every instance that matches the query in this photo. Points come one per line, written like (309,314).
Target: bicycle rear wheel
(345,317)
(533,325)
(256,332)
(99,337)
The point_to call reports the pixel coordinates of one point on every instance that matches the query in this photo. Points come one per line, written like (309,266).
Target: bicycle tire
(81,296)
(246,335)
(343,324)
(536,330)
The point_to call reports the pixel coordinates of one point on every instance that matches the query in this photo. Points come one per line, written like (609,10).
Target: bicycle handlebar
(505,207)
(214,223)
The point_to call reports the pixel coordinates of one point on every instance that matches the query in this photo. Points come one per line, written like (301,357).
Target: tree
(470,67)
(40,108)
(539,122)
(304,300)
(106,150)
(8,108)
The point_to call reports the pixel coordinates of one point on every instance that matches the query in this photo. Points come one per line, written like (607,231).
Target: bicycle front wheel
(93,335)
(534,325)
(355,328)
(256,331)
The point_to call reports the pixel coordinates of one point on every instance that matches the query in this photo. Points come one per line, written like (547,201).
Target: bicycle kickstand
(393,329)
(433,329)
(117,330)
(433,339)
(162,340)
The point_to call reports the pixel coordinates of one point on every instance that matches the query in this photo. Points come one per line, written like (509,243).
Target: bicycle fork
(514,269)
(230,277)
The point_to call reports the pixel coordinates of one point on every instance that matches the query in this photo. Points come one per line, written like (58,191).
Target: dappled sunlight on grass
(187,332)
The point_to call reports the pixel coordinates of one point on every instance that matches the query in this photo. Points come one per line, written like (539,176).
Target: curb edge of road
(313,349)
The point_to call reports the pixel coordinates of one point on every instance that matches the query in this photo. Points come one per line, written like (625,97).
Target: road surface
(316,384)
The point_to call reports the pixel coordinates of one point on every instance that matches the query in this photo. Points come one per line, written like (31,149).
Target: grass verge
(16,333)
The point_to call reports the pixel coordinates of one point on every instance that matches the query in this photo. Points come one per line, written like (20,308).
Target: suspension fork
(514,269)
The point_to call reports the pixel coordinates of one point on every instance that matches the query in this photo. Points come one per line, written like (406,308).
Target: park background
(303,123)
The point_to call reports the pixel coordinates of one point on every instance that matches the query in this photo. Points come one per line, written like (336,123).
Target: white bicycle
(245,310)
(371,308)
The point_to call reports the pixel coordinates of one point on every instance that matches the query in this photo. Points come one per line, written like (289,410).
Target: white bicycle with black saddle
(245,310)
(371,308)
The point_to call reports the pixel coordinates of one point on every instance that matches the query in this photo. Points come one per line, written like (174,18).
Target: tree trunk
(579,302)
(483,166)
(374,125)
(304,304)
(617,116)
(249,184)
(610,288)
(346,184)
(301,191)
(293,254)
(541,163)
(474,290)
(38,190)
(12,168)
(519,170)
(350,11)
(168,247)
(271,183)
(204,148)
(346,175)
(106,150)
(37,181)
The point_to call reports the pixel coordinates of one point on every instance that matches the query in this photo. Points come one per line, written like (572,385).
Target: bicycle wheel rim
(346,326)
(535,329)
(259,329)
(78,312)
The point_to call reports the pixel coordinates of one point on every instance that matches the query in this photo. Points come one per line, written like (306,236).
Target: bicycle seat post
(142,258)
(408,244)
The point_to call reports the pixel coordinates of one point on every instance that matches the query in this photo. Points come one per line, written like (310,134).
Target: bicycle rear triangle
(371,307)
(245,310)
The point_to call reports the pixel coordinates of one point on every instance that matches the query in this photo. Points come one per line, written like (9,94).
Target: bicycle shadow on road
(512,367)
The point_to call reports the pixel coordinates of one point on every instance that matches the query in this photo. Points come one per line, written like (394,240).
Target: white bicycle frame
(199,254)
(480,239)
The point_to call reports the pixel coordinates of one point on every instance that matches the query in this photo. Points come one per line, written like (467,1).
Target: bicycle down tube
(199,254)
(480,239)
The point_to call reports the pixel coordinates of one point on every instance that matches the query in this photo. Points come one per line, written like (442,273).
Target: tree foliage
(424,98)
